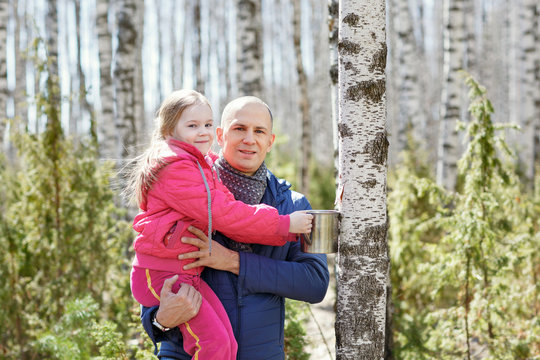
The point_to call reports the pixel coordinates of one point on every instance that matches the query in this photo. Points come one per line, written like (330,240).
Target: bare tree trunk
(4,93)
(52,50)
(451,104)
(363,250)
(333,26)
(20,63)
(197,47)
(108,138)
(303,100)
(125,74)
(410,114)
(82,77)
(529,57)
(249,47)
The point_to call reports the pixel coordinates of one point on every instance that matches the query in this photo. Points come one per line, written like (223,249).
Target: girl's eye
(208,125)
(192,125)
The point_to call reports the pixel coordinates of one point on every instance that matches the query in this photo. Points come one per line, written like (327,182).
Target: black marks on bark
(372,90)
(369,184)
(378,148)
(334,74)
(349,47)
(378,61)
(351,19)
(344,130)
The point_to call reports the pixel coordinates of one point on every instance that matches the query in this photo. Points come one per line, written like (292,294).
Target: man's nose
(249,138)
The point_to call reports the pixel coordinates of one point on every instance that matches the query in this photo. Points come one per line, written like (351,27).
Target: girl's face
(196,127)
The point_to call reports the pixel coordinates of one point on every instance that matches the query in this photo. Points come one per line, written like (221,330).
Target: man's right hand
(175,309)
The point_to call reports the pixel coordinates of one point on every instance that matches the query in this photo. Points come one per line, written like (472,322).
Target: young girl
(175,186)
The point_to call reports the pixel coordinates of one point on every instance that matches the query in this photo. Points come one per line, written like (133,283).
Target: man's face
(246,137)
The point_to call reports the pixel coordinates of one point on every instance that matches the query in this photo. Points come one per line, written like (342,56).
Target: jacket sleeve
(171,341)
(300,276)
(182,188)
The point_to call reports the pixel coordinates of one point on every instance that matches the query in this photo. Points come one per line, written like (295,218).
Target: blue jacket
(255,299)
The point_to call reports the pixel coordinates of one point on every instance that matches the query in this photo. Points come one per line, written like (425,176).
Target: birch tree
(305,142)
(363,263)
(52,49)
(4,94)
(333,26)
(125,74)
(197,47)
(410,113)
(108,140)
(249,47)
(530,100)
(454,36)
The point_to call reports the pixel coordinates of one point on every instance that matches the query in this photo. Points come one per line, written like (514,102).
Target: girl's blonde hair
(144,169)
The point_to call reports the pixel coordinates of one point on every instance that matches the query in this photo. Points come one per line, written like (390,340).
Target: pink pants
(209,334)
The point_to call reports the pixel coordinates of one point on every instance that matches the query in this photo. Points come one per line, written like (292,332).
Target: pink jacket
(179,194)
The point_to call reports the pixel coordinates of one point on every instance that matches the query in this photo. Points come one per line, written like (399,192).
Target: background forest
(80,82)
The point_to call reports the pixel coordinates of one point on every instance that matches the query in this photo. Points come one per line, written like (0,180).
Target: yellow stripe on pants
(196,355)
(149,282)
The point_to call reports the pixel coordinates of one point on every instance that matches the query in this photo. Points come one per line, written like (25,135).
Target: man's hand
(220,259)
(175,309)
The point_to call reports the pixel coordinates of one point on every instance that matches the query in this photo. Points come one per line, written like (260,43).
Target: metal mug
(324,233)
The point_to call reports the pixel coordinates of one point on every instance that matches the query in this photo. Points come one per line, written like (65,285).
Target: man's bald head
(238,104)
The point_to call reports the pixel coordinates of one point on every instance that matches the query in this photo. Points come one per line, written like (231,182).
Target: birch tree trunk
(108,140)
(303,102)
(125,74)
(81,75)
(249,47)
(197,47)
(333,26)
(454,36)
(410,114)
(19,97)
(52,50)
(4,93)
(363,263)
(529,57)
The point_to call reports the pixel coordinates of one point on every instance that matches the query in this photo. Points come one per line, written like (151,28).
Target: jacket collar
(182,147)
(276,188)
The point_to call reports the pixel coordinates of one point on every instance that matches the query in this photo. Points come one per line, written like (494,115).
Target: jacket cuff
(284,224)
(146,319)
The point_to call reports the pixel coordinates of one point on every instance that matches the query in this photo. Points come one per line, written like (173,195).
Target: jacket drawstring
(209,196)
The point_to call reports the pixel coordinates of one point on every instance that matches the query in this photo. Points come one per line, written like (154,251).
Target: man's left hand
(220,259)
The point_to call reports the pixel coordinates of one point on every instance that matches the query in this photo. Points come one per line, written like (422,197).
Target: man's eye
(239,129)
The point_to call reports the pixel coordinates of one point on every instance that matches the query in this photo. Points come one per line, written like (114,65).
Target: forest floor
(321,323)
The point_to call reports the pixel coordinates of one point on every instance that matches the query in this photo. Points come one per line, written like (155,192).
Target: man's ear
(219,136)
(272,139)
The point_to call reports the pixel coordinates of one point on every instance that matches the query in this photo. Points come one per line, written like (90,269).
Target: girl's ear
(219,136)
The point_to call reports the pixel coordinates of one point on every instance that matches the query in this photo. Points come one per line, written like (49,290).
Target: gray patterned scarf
(248,189)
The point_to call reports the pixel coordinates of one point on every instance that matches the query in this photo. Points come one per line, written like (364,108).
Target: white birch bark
(410,111)
(333,25)
(454,36)
(20,62)
(303,100)
(51,24)
(197,47)
(249,47)
(125,74)
(363,262)
(529,57)
(4,93)
(108,138)
(141,123)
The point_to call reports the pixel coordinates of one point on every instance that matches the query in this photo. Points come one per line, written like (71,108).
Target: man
(253,280)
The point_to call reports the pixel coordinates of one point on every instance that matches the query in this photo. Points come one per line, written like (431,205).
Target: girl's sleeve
(183,189)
